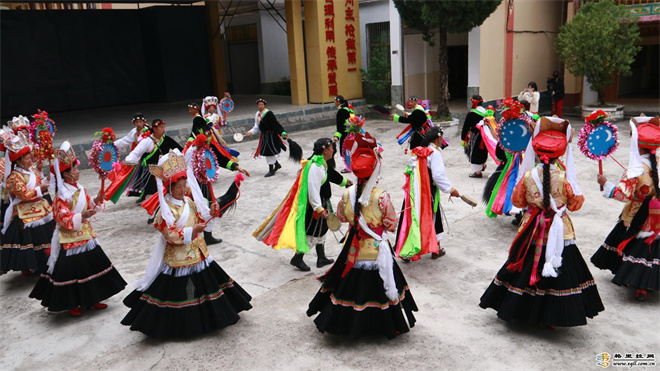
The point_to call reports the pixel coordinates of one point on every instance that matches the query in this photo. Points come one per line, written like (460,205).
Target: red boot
(26,272)
(640,295)
(99,306)
(75,312)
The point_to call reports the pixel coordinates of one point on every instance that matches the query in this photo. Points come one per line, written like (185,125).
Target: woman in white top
(532,95)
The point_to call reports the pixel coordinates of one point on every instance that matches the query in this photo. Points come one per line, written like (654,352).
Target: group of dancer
(185,293)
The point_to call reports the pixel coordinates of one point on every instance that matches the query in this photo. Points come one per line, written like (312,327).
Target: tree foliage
(443,16)
(597,42)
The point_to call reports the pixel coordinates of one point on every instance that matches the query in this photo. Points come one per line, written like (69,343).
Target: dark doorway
(243,54)
(244,64)
(457,62)
(644,75)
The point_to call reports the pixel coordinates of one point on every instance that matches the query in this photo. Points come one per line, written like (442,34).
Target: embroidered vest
(30,211)
(85,233)
(179,256)
(374,218)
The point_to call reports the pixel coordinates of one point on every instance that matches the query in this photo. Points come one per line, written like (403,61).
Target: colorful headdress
(18,123)
(555,128)
(2,138)
(139,116)
(649,134)
(551,138)
(208,102)
(65,158)
(644,133)
(170,168)
(476,101)
(16,146)
(261,100)
(366,164)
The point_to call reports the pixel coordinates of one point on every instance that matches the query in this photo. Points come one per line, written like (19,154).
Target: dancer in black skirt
(426,167)
(133,174)
(631,250)
(365,293)
(320,193)
(545,279)
(79,273)
(471,138)
(184,292)
(271,141)
(28,221)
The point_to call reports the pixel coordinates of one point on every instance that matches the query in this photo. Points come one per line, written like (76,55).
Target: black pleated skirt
(566,300)
(78,280)
(640,265)
(360,307)
(187,306)
(606,257)
(26,248)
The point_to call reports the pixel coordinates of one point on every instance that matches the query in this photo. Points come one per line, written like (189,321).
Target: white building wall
(372,12)
(273,52)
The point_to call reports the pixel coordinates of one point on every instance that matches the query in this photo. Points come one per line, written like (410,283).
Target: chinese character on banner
(349,15)
(332,78)
(330,35)
(332,64)
(351,58)
(330,23)
(332,90)
(331,52)
(350,44)
(329,9)
(350,30)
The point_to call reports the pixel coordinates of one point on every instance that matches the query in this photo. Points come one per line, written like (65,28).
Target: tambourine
(210,164)
(514,135)
(598,142)
(226,104)
(108,156)
(238,137)
(333,222)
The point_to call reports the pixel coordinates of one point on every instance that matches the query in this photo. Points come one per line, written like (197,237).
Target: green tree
(597,42)
(444,16)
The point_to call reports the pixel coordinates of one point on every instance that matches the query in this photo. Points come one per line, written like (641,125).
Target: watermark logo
(628,360)
(603,359)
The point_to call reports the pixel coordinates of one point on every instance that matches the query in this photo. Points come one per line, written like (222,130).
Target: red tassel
(622,246)
(534,278)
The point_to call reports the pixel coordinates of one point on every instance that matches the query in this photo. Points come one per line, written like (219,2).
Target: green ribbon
(301,236)
(144,162)
(412,245)
(482,114)
(496,189)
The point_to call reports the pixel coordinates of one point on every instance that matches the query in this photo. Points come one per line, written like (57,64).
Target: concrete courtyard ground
(452,332)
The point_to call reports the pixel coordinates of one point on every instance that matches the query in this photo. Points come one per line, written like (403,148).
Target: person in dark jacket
(471,139)
(344,112)
(556,88)
(417,120)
